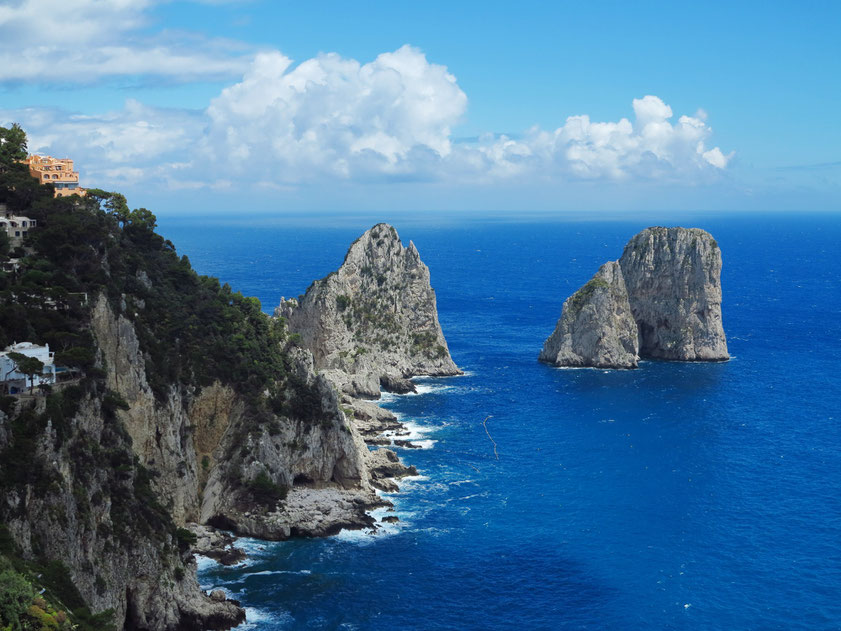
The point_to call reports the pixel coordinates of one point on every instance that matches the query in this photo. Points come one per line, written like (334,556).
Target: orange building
(55,171)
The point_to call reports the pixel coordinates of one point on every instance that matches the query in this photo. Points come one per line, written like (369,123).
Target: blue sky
(272,106)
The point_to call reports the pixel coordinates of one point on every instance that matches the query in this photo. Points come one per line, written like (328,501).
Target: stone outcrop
(673,277)
(596,326)
(662,299)
(322,465)
(202,450)
(149,583)
(372,325)
(373,321)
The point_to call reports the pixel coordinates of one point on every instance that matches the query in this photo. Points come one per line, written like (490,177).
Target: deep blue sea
(675,496)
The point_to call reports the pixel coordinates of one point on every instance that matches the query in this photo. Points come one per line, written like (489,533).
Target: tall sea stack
(669,281)
(373,322)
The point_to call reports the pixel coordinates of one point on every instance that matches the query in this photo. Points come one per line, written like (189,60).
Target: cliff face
(183,402)
(673,277)
(374,321)
(206,448)
(100,523)
(203,453)
(160,435)
(596,326)
(662,299)
(320,465)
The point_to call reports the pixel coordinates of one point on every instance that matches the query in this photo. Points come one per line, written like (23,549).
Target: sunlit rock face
(374,321)
(673,276)
(662,299)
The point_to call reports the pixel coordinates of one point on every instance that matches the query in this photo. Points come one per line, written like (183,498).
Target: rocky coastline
(367,328)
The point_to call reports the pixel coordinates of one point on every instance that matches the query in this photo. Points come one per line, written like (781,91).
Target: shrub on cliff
(265,491)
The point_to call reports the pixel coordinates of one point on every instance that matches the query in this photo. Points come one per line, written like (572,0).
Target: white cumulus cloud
(331,115)
(335,119)
(649,148)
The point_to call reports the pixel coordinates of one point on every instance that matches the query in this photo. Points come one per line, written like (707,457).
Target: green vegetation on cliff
(192,331)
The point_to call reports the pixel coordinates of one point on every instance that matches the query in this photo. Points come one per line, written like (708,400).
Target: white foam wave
(368,536)
(410,481)
(270,572)
(204,563)
(416,431)
(424,444)
(428,388)
(259,618)
(387,397)
(411,432)
(255,547)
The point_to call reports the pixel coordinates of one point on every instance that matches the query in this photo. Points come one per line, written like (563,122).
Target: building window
(24,224)
(55,177)
(17,233)
(46,176)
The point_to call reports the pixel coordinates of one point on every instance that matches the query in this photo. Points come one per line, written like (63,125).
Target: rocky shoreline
(379,428)
(366,328)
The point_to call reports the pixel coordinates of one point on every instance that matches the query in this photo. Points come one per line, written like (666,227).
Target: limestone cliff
(208,449)
(673,277)
(115,541)
(374,321)
(203,454)
(372,324)
(662,299)
(596,326)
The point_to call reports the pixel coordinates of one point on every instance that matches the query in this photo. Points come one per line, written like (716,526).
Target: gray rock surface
(673,276)
(149,585)
(596,327)
(374,319)
(662,299)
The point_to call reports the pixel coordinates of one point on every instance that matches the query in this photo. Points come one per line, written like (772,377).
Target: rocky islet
(661,299)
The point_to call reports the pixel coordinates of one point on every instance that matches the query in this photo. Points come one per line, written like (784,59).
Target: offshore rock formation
(596,326)
(662,299)
(374,321)
(673,277)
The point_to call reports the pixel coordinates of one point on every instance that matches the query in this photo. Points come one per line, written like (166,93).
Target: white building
(15,226)
(13,381)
